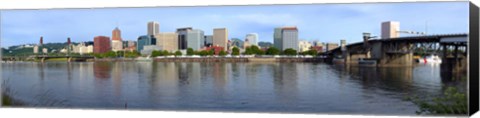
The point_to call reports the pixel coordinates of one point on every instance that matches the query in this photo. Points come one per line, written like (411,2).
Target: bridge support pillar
(397,60)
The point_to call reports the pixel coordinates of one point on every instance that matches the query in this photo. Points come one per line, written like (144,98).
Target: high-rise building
(117,43)
(208,40)
(304,46)
(182,37)
(153,28)
(390,29)
(195,38)
(168,41)
(252,38)
(286,37)
(41,40)
(101,44)
(277,38)
(220,37)
(144,41)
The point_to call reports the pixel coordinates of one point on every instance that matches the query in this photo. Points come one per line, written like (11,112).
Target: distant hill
(265,44)
(22,50)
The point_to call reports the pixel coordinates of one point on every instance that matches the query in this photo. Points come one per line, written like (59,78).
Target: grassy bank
(57,59)
(9,101)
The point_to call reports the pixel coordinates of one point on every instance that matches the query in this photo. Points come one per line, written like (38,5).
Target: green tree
(190,51)
(131,54)
(235,51)
(452,102)
(178,53)
(110,54)
(156,53)
(166,53)
(222,53)
(289,51)
(211,52)
(273,51)
(203,53)
(253,50)
(310,52)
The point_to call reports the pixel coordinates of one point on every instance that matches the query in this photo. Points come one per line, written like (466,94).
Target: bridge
(452,48)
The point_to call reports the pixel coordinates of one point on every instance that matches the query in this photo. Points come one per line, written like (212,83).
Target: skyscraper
(277,38)
(153,28)
(252,38)
(390,29)
(195,38)
(101,44)
(117,43)
(286,37)
(220,37)
(167,41)
(182,37)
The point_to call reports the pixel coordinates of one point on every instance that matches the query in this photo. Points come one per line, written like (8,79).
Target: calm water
(243,87)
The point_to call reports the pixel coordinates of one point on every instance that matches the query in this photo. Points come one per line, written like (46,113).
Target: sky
(322,22)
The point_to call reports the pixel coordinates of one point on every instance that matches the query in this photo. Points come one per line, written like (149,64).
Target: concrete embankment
(251,59)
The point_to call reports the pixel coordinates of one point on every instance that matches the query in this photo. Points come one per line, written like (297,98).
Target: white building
(35,49)
(252,39)
(63,50)
(286,37)
(117,45)
(304,46)
(45,50)
(148,49)
(86,49)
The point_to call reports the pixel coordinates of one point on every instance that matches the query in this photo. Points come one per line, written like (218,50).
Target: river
(237,87)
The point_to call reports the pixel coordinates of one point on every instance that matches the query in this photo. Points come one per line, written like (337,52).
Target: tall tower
(390,29)
(290,38)
(41,40)
(277,38)
(117,43)
(153,28)
(220,37)
(182,37)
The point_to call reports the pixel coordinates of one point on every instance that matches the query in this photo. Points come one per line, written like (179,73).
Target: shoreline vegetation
(9,101)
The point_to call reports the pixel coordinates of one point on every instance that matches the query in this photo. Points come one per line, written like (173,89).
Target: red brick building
(216,49)
(101,44)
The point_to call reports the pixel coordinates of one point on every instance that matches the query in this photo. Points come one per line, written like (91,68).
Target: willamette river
(241,87)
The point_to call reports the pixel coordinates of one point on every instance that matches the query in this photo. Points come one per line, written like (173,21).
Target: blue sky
(323,22)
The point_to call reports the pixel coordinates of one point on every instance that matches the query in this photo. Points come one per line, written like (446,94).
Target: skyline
(333,22)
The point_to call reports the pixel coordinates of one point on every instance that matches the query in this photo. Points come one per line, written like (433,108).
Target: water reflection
(271,87)
(102,70)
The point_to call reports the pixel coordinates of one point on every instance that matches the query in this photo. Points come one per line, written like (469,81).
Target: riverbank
(213,59)
(9,101)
